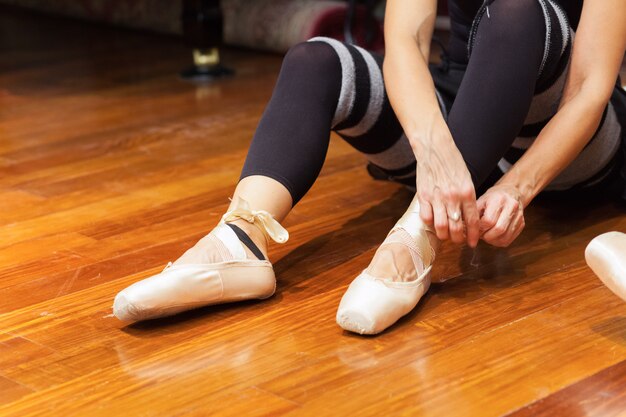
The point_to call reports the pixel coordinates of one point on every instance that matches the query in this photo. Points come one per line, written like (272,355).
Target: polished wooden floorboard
(110,166)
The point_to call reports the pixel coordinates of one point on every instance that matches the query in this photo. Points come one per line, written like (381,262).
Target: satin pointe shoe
(372,304)
(186,286)
(606,256)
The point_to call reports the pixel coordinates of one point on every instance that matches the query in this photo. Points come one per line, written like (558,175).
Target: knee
(511,21)
(314,58)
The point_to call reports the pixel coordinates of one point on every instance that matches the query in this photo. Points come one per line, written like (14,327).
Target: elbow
(597,90)
(593,92)
(599,93)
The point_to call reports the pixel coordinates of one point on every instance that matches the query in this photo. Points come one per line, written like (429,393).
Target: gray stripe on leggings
(348,82)
(377,98)
(548,44)
(565,29)
(594,157)
(521,142)
(546,104)
(399,155)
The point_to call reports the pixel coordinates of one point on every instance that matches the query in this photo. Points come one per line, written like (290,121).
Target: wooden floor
(110,166)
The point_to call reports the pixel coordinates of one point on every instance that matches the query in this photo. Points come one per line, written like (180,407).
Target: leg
(505,69)
(286,155)
(323,85)
(350,99)
(498,87)
(292,137)
(291,141)
(489,111)
(365,119)
(398,274)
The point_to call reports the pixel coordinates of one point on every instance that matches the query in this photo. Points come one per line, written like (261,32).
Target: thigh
(506,53)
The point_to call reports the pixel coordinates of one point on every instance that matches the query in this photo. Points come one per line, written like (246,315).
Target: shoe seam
(400,284)
(221,285)
(226,264)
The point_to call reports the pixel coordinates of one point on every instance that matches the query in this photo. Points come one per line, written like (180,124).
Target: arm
(444,184)
(409,26)
(597,55)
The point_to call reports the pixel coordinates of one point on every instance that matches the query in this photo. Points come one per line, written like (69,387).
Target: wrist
(432,132)
(524,186)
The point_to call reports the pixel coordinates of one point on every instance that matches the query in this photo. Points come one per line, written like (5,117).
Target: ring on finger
(456,216)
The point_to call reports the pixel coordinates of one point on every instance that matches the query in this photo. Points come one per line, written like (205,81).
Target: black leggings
(327,85)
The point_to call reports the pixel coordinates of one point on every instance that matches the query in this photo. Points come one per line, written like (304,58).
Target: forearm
(597,55)
(558,144)
(411,92)
(408,81)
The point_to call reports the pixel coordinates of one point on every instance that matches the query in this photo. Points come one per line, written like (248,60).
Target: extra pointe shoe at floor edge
(186,286)
(606,256)
(372,304)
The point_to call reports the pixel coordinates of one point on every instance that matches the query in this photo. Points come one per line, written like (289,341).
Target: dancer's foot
(210,249)
(229,264)
(396,279)
(397,261)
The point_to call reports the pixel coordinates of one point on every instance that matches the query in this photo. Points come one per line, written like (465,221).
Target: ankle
(254,232)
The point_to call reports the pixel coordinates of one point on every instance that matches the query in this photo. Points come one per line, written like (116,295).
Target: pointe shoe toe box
(370,304)
(124,309)
(184,287)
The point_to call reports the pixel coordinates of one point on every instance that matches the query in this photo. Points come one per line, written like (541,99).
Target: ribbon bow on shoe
(263,219)
(182,287)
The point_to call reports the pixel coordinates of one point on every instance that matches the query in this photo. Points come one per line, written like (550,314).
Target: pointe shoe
(371,304)
(606,256)
(183,287)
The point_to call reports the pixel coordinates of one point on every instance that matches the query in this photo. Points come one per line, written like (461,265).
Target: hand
(502,215)
(445,188)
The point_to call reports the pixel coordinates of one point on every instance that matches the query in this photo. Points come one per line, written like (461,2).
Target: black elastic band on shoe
(247,241)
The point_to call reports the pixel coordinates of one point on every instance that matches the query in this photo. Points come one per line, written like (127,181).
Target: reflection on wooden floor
(110,166)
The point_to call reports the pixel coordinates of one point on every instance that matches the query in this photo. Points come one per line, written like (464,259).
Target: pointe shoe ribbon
(261,218)
(412,223)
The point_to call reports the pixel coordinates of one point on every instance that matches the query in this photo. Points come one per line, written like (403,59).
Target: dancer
(517,106)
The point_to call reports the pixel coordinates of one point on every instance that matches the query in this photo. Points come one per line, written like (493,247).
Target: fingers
(508,226)
(440,207)
(491,207)
(472,221)
(481,203)
(455,226)
(441,220)
(502,223)
(441,213)
(516,227)
(426,211)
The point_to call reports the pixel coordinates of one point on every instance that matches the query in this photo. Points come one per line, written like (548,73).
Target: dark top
(462,13)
